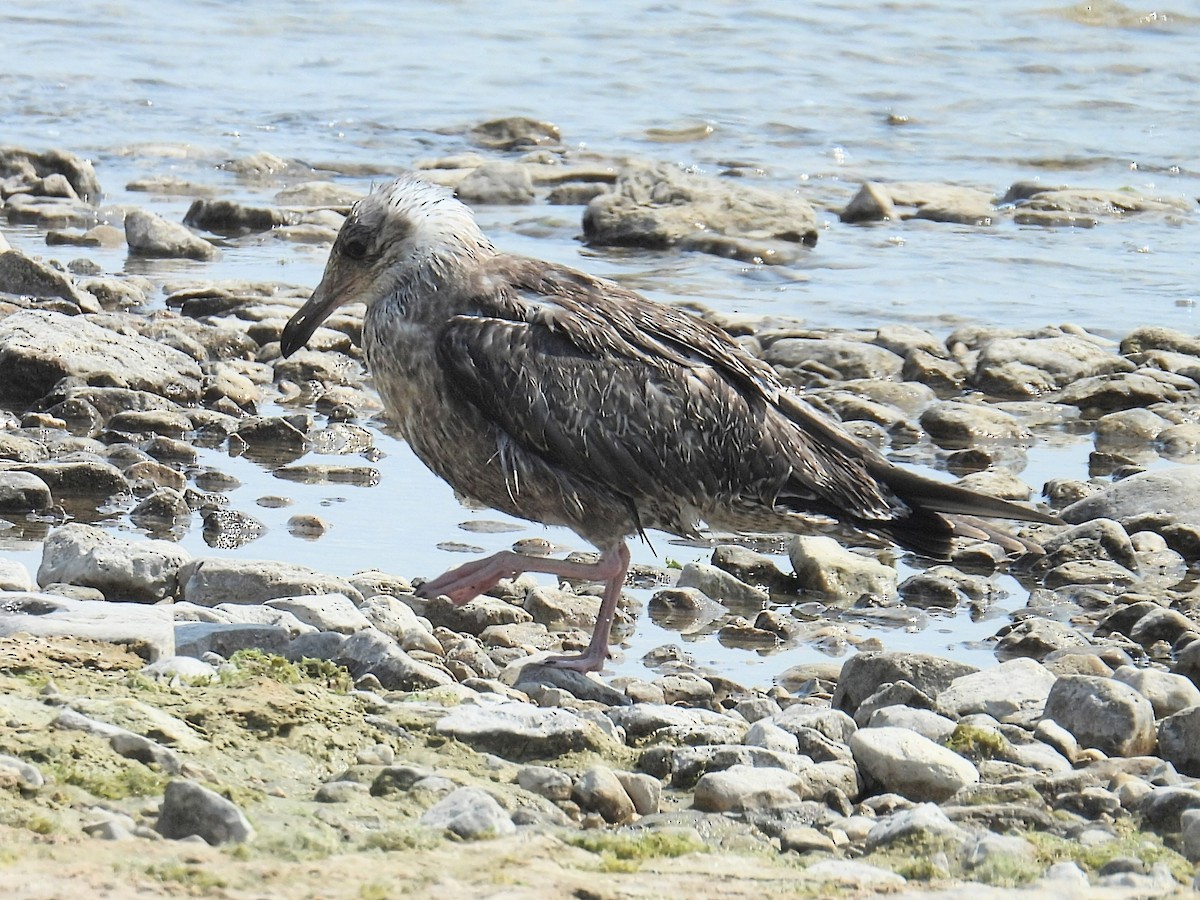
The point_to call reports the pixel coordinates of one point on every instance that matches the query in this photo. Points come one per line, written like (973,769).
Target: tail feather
(939,512)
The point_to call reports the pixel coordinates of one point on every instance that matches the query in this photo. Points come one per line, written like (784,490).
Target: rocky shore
(249,727)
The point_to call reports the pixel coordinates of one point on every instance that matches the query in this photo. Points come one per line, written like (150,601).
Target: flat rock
(28,277)
(954,424)
(659,206)
(849,873)
(37,349)
(720,585)
(520,731)
(209,580)
(1031,367)
(1170,494)
(847,358)
(903,762)
(1019,686)
(1168,693)
(326,612)
(143,571)
(147,630)
(747,788)
(675,724)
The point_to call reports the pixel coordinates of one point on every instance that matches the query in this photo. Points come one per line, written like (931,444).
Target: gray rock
(676,724)
(848,873)
(663,206)
(146,630)
(955,424)
(766,734)
(1023,367)
(643,790)
(397,620)
(371,652)
(123,570)
(1190,826)
(209,581)
(470,814)
(125,742)
(20,274)
(1145,387)
(579,685)
(924,722)
(1103,713)
(721,585)
(27,776)
(1131,429)
(235,219)
(495,182)
(554,607)
(327,612)
(908,764)
(1095,539)
(822,564)
(922,822)
(37,349)
(1037,638)
(862,674)
(982,849)
(1019,686)
(846,358)
(805,839)
(475,616)
(521,731)
(1166,692)
(599,790)
(226,638)
(14,577)
(192,809)
(872,203)
(747,788)
(1179,740)
(553,784)
(82,481)
(896,693)
(514,133)
(148,234)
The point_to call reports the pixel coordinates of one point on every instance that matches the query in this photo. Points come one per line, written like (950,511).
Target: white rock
(765,733)
(924,722)
(822,564)
(325,612)
(123,570)
(1018,686)
(469,813)
(909,764)
(746,788)
(1166,692)
(394,618)
(147,630)
(924,820)
(14,576)
(849,873)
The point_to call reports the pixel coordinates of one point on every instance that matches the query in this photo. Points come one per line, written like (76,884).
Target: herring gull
(566,399)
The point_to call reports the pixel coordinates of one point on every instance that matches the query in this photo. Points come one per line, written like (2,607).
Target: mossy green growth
(115,780)
(1143,845)
(402,839)
(254,663)
(625,852)
(196,877)
(976,743)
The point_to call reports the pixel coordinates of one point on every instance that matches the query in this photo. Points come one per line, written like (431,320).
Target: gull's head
(401,237)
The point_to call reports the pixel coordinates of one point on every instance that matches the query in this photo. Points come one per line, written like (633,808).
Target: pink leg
(468,581)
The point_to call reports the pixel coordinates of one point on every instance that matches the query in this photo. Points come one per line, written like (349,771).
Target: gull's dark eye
(354,248)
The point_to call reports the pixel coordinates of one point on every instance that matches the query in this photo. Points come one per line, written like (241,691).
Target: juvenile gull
(555,396)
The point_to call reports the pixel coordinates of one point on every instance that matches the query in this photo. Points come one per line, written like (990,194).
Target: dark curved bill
(309,317)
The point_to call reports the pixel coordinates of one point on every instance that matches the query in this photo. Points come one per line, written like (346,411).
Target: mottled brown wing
(645,400)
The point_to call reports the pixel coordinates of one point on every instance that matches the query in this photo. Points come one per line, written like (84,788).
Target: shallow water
(815,98)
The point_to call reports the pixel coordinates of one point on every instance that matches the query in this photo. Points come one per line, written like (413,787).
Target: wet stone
(862,674)
(23,492)
(148,234)
(1179,740)
(822,564)
(909,764)
(1019,686)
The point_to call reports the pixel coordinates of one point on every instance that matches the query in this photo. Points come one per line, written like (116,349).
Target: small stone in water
(307,526)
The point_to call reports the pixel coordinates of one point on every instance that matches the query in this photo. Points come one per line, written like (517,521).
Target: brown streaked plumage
(555,396)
